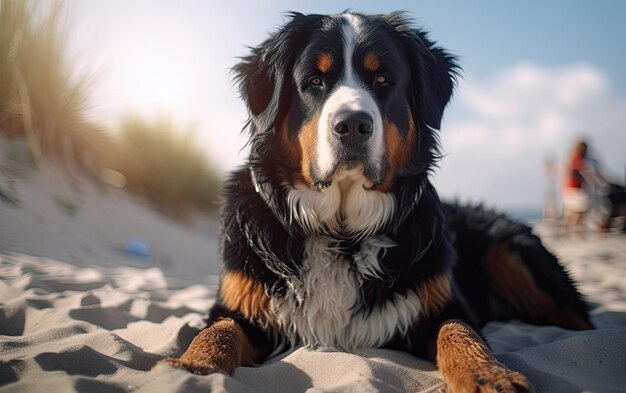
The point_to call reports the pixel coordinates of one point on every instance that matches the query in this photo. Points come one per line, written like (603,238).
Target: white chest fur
(322,308)
(344,205)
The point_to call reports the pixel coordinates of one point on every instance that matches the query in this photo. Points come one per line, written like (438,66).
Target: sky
(536,76)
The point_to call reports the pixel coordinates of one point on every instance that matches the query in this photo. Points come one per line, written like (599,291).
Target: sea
(529,215)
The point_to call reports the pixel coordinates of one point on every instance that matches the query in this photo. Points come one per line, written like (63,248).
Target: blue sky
(536,75)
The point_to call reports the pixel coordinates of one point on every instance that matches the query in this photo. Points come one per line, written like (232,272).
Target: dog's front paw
(196,367)
(493,379)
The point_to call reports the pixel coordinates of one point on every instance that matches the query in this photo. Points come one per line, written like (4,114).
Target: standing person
(575,199)
(581,175)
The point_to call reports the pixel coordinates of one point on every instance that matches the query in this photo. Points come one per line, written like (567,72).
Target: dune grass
(163,164)
(43,99)
(40,95)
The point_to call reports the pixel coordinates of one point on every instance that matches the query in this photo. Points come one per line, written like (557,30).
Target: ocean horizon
(530,215)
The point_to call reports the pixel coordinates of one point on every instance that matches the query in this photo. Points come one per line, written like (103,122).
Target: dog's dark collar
(258,186)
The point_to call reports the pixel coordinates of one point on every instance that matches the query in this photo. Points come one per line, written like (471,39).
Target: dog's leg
(528,281)
(220,347)
(468,366)
(238,335)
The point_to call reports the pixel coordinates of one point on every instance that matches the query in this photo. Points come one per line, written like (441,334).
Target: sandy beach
(79,312)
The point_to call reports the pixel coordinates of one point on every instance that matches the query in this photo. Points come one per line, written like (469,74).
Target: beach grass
(44,102)
(42,97)
(161,162)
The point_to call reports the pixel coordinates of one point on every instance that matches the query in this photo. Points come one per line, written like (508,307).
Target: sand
(77,313)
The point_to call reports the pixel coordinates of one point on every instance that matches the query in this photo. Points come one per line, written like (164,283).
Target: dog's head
(346,96)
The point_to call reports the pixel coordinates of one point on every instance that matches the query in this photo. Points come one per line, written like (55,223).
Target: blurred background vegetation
(43,106)
(162,164)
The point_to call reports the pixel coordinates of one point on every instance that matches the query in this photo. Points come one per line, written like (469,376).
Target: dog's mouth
(351,166)
(351,163)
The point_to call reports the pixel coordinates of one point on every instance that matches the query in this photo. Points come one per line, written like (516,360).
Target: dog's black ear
(433,78)
(255,86)
(437,73)
(434,71)
(265,76)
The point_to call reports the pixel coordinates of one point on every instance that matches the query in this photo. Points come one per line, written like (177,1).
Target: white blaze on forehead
(350,94)
(349,32)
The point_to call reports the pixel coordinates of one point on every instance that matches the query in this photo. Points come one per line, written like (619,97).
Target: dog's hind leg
(505,272)
(468,366)
(528,283)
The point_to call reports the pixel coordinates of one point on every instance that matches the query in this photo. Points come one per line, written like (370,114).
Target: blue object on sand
(138,248)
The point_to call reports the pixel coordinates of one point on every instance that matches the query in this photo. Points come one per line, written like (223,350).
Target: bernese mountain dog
(332,234)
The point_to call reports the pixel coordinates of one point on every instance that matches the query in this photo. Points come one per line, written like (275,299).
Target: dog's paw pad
(498,379)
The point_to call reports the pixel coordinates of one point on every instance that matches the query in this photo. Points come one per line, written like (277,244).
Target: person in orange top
(578,175)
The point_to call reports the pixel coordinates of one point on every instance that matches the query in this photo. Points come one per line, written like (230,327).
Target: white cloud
(520,90)
(513,120)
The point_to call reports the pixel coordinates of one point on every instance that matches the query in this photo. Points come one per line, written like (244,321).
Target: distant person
(582,178)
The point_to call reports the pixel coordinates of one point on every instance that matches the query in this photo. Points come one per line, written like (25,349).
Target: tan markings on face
(292,154)
(434,293)
(325,62)
(220,347)
(307,139)
(514,283)
(371,62)
(244,294)
(398,148)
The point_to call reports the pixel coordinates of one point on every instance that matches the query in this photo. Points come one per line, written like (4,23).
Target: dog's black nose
(353,127)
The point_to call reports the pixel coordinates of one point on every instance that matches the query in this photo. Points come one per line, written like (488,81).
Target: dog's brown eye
(381,79)
(316,81)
